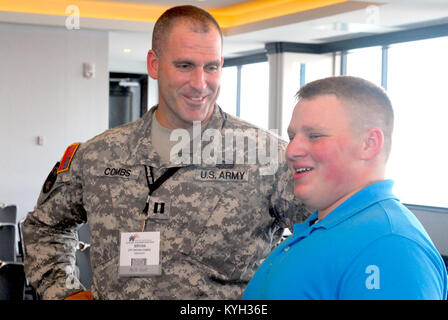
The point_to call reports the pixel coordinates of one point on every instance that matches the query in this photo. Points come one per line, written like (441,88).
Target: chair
(30,292)
(8,214)
(12,274)
(8,217)
(12,281)
(7,242)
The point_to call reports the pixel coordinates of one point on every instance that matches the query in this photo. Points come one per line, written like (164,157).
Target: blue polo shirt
(369,247)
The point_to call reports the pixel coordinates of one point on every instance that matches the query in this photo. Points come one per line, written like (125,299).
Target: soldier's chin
(201,115)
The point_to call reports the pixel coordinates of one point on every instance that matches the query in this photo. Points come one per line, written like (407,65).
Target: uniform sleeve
(394,268)
(50,235)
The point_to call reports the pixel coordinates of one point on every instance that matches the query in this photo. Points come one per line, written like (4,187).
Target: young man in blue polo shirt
(361,243)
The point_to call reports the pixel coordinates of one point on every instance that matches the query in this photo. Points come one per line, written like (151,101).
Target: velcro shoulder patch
(67,157)
(51,179)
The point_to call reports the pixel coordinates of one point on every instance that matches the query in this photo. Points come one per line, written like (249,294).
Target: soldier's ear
(153,64)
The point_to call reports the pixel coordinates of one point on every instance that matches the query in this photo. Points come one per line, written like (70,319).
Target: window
(300,69)
(417,87)
(365,63)
(255,94)
(318,68)
(227,98)
(252,105)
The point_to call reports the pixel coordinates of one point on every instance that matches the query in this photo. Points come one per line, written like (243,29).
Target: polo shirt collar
(364,198)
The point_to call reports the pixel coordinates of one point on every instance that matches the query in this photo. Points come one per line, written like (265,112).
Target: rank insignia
(67,157)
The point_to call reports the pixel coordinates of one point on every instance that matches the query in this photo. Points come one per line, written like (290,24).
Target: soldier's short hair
(368,105)
(201,21)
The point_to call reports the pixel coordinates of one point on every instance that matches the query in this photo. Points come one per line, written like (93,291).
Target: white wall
(127,66)
(43,93)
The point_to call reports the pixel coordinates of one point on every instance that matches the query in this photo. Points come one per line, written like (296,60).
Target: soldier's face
(323,152)
(189,74)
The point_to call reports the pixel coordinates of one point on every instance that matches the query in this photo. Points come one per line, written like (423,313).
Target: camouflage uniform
(216,237)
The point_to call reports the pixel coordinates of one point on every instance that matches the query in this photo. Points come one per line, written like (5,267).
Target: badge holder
(139,254)
(140,251)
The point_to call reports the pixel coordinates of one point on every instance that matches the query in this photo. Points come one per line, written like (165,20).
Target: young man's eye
(313,136)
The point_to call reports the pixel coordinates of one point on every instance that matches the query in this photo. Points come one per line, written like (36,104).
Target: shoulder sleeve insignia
(51,179)
(67,157)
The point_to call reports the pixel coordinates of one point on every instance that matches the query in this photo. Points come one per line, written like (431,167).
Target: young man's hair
(367,104)
(200,21)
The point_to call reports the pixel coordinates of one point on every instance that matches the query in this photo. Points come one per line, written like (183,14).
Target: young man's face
(323,152)
(188,73)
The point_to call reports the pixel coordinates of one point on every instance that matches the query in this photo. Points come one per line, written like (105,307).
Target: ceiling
(247,25)
(202,3)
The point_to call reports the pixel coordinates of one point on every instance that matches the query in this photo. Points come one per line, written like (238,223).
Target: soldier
(163,226)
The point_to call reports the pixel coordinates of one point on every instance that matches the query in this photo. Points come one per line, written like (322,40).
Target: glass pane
(417,87)
(227,96)
(365,63)
(255,93)
(296,66)
(321,67)
(291,84)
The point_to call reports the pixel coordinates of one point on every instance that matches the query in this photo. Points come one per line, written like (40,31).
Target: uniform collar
(145,153)
(359,201)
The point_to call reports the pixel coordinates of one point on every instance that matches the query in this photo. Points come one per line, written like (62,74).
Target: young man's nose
(296,149)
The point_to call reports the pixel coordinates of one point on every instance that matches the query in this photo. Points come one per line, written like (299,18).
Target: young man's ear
(153,64)
(372,144)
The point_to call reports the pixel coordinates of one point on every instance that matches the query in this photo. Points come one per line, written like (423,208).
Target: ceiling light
(353,27)
(127,50)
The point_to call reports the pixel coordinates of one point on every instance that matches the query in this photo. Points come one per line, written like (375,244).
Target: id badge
(139,254)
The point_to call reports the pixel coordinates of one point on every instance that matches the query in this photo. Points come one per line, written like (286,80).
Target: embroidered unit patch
(67,157)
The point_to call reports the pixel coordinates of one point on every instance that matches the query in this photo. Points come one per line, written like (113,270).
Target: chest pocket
(113,196)
(116,190)
(220,215)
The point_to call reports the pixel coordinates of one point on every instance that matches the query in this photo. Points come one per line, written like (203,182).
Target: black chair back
(12,282)
(8,214)
(8,217)
(7,242)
